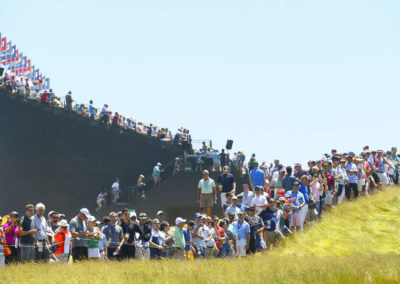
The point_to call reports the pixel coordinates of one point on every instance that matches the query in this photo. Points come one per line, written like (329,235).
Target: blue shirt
(303,189)
(188,238)
(156,171)
(241,229)
(352,177)
(395,159)
(299,198)
(257,177)
(227,182)
(235,210)
(287,182)
(103,242)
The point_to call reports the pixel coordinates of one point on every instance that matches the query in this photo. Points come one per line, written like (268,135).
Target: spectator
(63,242)
(114,235)
(101,199)
(3,245)
(259,201)
(115,190)
(256,228)
(160,216)
(156,242)
(247,195)
(12,234)
(288,180)
(179,238)
(257,177)
(42,241)
(92,110)
(157,174)
(94,237)
(276,184)
(298,203)
(68,101)
(242,229)
(352,171)
(197,235)
(226,184)
(187,233)
(144,253)
(168,240)
(176,166)
(223,158)
(233,208)
(206,193)
(27,235)
(141,185)
(78,229)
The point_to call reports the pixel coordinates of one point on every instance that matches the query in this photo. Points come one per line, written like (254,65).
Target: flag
(15,58)
(28,66)
(47,83)
(3,44)
(9,52)
(22,65)
(36,75)
(43,84)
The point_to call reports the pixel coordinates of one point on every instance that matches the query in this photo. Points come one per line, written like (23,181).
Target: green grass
(357,242)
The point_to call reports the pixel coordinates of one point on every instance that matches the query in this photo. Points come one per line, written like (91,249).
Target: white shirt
(207,232)
(258,201)
(115,187)
(247,198)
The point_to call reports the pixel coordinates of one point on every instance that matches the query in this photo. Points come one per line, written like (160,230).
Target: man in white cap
(206,193)
(179,238)
(161,216)
(78,229)
(157,174)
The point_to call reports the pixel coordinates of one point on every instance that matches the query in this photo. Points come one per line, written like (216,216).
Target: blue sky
(287,79)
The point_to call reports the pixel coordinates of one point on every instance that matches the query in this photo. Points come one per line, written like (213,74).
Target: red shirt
(44,97)
(221,234)
(330,180)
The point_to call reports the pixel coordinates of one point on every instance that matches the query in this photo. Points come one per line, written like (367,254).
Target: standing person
(12,234)
(222,157)
(299,172)
(157,174)
(3,245)
(161,216)
(256,228)
(140,185)
(197,234)
(396,162)
(298,203)
(103,244)
(257,177)
(168,240)
(208,240)
(342,179)
(156,241)
(276,184)
(233,208)
(27,235)
(179,238)
(68,101)
(42,242)
(247,195)
(101,199)
(259,201)
(226,184)
(381,168)
(145,246)
(303,188)
(288,180)
(114,235)
(206,193)
(94,237)
(187,233)
(130,229)
(115,190)
(242,229)
(63,242)
(78,229)
(352,171)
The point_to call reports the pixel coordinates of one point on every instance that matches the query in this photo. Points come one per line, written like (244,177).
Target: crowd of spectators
(278,201)
(33,90)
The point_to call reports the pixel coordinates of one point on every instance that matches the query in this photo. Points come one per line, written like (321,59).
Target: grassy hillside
(356,243)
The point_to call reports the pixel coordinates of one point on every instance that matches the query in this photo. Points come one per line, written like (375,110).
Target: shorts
(329,197)
(375,177)
(94,252)
(313,212)
(383,177)
(206,200)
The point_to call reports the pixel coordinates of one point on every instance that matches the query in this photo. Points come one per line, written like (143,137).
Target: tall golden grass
(358,242)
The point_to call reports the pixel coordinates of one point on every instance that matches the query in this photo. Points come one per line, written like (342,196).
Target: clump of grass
(357,242)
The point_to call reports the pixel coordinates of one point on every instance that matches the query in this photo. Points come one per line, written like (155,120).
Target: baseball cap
(296,183)
(234,197)
(85,212)
(91,218)
(255,162)
(205,172)
(63,223)
(132,214)
(297,165)
(14,213)
(142,216)
(282,199)
(159,164)
(351,154)
(256,187)
(179,220)
(191,223)
(160,212)
(281,192)
(197,215)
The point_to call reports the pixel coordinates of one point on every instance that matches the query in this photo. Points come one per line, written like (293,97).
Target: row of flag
(19,64)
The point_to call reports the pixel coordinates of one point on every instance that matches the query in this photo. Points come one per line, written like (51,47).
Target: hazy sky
(288,79)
